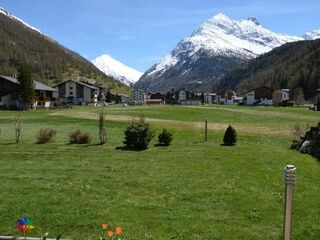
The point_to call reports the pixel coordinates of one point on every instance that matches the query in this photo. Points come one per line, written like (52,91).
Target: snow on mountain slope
(215,47)
(6,13)
(116,69)
(222,35)
(312,35)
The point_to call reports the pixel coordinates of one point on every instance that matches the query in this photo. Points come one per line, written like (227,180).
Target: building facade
(261,96)
(226,97)
(78,93)
(44,97)
(138,97)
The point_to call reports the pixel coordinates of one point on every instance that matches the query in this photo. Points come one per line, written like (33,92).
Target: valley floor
(189,190)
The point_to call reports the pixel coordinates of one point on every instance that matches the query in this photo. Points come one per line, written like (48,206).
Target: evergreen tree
(230,136)
(138,134)
(165,137)
(25,87)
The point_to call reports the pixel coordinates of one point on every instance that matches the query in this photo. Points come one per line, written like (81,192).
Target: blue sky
(141,32)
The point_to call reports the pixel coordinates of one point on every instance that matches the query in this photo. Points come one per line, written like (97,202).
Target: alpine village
(209,142)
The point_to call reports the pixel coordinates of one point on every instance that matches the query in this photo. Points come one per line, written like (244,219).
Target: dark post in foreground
(206,130)
(290,178)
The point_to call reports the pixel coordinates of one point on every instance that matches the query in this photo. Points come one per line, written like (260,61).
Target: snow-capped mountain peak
(246,38)
(217,45)
(6,13)
(254,19)
(222,35)
(116,69)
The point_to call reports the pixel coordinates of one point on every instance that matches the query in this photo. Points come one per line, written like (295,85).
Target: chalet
(138,97)
(184,97)
(158,96)
(78,93)
(261,96)
(209,98)
(155,98)
(226,97)
(44,95)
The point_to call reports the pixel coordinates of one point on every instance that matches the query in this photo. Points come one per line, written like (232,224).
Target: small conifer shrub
(165,137)
(138,134)
(230,136)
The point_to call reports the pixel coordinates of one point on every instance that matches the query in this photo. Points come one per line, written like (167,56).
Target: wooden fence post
(206,129)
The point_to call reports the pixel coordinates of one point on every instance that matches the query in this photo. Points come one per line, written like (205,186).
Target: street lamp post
(290,178)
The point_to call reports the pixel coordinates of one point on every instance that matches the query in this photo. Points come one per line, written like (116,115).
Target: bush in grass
(138,134)
(77,137)
(45,135)
(165,137)
(73,136)
(230,136)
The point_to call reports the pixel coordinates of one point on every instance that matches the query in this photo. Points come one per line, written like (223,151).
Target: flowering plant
(112,234)
(24,225)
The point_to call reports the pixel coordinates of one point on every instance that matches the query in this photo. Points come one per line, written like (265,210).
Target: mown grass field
(190,190)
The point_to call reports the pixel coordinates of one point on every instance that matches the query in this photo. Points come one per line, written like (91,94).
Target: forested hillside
(50,61)
(293,65)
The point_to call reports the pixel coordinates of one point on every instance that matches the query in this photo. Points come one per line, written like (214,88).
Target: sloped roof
(42,87)
(78,82)
(37,85)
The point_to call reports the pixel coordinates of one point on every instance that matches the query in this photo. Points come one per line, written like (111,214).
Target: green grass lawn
(190,190)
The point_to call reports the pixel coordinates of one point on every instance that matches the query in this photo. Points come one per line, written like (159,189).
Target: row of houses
(182,97)
(69,92)
(91,94)
(262,96)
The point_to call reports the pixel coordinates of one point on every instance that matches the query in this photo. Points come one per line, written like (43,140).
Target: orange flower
(119,230)
(104,226)
(110,233)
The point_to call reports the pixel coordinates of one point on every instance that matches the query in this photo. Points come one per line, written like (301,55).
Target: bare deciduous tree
(276,97)
(17,122)
(298,96)
(102,128)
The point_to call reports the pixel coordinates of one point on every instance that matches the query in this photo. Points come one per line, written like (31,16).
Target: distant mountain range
(216,47)
(116,69)
(50,61)
(293,65)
